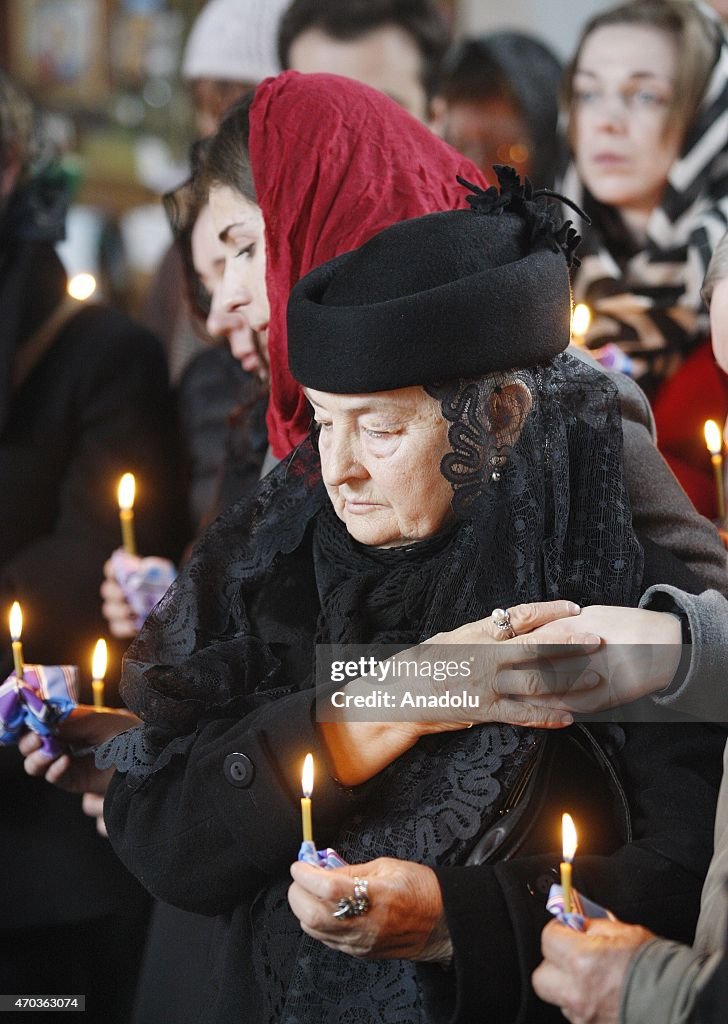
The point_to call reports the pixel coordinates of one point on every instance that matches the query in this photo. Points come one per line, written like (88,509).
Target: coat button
(239,770)
(541,885)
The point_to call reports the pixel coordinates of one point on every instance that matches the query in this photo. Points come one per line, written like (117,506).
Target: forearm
(240,818)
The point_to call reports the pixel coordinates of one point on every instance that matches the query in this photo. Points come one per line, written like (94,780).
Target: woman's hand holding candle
(85,727)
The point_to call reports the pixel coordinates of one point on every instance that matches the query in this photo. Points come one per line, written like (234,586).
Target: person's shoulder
(633,402)
(103,336)
(113,326)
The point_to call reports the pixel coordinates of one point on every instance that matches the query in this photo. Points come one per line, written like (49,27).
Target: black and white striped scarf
(647,299)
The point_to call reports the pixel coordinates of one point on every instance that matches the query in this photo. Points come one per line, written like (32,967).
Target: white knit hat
(234,40)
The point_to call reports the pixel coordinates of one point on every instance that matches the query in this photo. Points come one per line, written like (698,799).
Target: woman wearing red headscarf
(315,166)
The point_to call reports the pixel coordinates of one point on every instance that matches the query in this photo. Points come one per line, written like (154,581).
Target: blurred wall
(558,22)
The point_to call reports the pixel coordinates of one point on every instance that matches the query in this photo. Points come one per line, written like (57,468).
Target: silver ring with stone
(356,905)
(502,621)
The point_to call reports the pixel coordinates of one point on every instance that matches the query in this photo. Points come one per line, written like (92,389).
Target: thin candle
(98,671)
(580,321)
(568,833)
(16,629)
(307,788)
(714,444)
(127,487)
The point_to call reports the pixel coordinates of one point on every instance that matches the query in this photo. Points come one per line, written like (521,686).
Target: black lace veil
(550,508)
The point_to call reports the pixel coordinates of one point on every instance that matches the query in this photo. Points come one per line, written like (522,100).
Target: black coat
(212,830)
(95,405)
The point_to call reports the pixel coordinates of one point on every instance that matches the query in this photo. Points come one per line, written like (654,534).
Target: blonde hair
(697,38)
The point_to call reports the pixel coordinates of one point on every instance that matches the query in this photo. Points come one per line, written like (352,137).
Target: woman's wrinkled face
(380,460)
(624,143)
(208,257)
(239,226)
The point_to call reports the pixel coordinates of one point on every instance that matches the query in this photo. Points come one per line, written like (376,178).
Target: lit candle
(580,320)
(16,628)
(81,286)
(568,833)
(126,512)
(307,787)
(714,444)
(98,671)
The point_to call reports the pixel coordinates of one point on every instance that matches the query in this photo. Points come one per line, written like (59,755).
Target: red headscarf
(334,162)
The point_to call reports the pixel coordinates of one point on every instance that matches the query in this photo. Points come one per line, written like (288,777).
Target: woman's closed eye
(248,250)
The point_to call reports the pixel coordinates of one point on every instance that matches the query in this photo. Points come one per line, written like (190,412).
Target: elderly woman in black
(461,464)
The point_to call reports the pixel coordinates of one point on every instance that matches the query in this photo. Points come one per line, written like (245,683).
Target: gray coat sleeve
(703,690)
(661,509)
(664,982)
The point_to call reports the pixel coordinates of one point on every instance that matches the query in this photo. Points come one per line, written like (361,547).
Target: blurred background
(107,74)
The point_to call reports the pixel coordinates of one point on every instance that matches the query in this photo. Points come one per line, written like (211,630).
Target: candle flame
(580,320)
(713,440)
(568,833)
(81,286)
(127,486)
(16,621)
(98,662)
(307,776)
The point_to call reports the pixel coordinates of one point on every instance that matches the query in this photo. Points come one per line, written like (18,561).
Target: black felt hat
(456,294)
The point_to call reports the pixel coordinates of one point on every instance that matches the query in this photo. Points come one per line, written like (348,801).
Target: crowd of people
(358,420)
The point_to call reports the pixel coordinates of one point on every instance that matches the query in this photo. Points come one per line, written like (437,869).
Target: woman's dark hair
(223,159)
(519,70)
(183,206)
(227,161)
(697,39)
(347,20)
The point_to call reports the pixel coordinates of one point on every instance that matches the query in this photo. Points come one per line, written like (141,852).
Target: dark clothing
(205,808)
(221,411)
(214,831)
